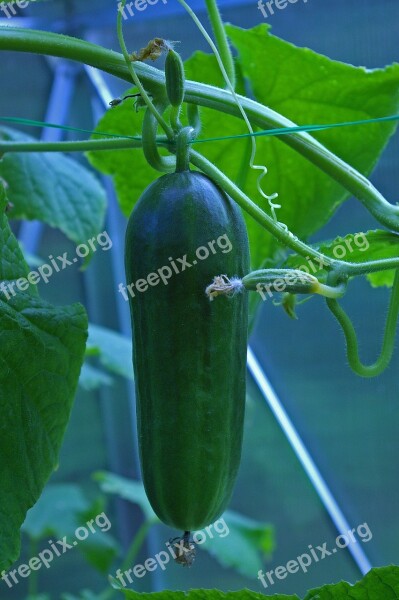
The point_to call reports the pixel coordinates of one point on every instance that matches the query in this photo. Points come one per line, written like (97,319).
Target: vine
(155,93)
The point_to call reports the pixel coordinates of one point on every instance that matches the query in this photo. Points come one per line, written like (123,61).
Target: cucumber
(174,78)
(189,354)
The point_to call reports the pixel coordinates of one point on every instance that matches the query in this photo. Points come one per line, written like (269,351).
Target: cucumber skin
(189,354)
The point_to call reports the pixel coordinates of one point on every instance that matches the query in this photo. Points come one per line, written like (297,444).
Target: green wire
(265,132)
(65,127)
(351,340)
(298,128)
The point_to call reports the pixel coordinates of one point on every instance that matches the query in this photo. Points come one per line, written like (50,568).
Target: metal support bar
(330,504)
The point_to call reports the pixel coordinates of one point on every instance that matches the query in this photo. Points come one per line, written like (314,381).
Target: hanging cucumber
(189,354)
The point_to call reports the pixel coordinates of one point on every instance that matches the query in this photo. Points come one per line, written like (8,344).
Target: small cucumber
(174,78)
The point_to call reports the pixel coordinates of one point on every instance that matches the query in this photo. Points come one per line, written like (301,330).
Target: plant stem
(79,146)
(221,40)
(293,281)
(344,268)
(34,577)
(53,44)
(136,79)
(254,210)
(351,340)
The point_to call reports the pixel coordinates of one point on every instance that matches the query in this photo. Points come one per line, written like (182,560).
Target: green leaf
(203,595)
(54,189)
(56,513)
(379,583)
(241,543)
(359,247)
(309,88)
(100,551)
(113,349)
(61,509)
(13,265)
(42,350)
(127,489)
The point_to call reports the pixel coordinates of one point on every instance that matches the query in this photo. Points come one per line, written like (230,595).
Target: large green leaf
(309,88)
(42,350)
(53,188)
(379,584)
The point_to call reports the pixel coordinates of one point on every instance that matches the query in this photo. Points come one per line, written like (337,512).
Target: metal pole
(330,504)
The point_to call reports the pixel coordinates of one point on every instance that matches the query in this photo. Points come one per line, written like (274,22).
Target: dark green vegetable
(189,353)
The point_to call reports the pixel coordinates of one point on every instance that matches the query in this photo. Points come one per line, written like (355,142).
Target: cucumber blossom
(189,354)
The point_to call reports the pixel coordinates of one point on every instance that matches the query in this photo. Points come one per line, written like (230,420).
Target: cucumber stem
(183,149)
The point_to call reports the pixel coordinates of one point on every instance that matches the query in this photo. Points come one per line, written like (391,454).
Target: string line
(31,123)
(264,132)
